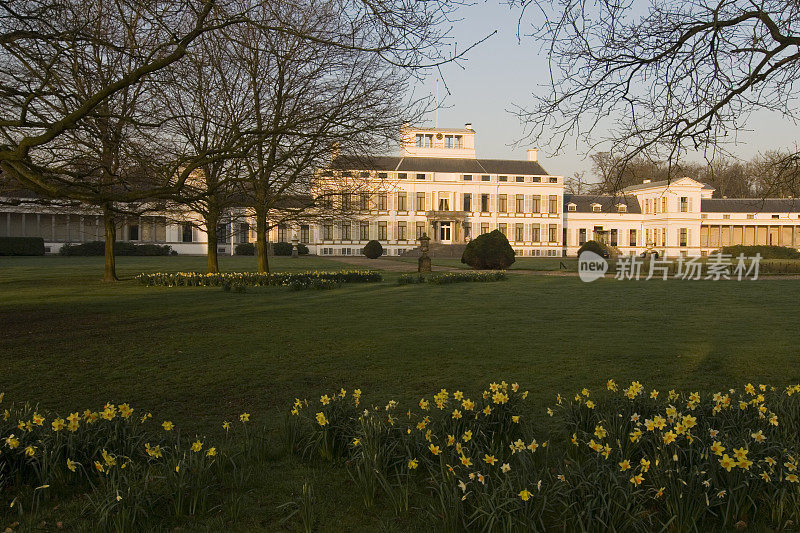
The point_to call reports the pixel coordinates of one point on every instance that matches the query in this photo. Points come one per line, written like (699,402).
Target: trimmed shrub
(285,248)
(767,252)
(490,251)
(450,277)
(373,250)
(596,247)
(94,248)
(21,246)
(256,279)
(246,248)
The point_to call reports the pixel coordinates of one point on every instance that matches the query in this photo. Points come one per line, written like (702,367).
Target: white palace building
(437,185)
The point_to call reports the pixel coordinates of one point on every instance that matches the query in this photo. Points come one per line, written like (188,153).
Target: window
(327,232)
(364,202)
(419,229)
(582,236)
(382,175)
(452,141)
(503,229)
(420,201)
(382,231)
(484,203)
(345,231)
(684,204)
(633,237)
(726,217)
(444,204)
(664,204)
(571,207)
(402,176)
(420,176)
(622,208)
(305,233)
(484,227)
(401,201)
(424,140)
(684,235)
(520,204)
(502,178)
(553,180)
(552,231)
(401,231)
(467,177)
(467,233)
(133,231)
(484,178)
(282,233)
(186,233)
(383,201)
(703,215)
(613,237)
(536,179)
(345,203)
(553,208)
(467,202)
(537,203)
(137,227)
(596,208)
(751,216)
(502,201)
(520,179)
(519,232)
(536,233)
(363,231)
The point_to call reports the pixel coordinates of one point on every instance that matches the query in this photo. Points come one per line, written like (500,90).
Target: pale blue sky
(502,72)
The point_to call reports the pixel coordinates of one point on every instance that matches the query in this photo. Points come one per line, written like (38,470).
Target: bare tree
(666,77)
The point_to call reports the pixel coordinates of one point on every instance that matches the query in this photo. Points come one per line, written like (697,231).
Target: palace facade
(438,186)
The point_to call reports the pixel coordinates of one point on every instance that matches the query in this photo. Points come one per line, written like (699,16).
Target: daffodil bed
(256,279)
(451,277)
(627,459)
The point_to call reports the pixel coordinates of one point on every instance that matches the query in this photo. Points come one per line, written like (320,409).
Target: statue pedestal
(424,264)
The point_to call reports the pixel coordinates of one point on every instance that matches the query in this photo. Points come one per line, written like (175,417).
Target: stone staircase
(438,250)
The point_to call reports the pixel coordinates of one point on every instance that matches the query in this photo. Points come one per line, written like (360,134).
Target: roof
(442,130)
(608,204)
(661,183)
(750,205)
(440,164)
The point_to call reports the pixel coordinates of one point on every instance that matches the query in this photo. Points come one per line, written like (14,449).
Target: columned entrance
(445,236)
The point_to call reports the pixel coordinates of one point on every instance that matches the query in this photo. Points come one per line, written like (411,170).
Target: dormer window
(553,180)
(484,178)
(424,140)
(596,208)
(520,179)
(572,207)
(420,176)
(452,141)
(502,178)
(536,179)
(467,177)
(622,208)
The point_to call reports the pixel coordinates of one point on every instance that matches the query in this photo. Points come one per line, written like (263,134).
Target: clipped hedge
(285,248)
(245,248)
(21,246)
(256,279)
(450,277)
(490,251)
(97,248)
(767,252)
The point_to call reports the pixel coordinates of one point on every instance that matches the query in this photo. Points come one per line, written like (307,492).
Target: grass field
(200,355)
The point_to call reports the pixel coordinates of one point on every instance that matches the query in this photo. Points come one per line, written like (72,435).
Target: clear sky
(503,72)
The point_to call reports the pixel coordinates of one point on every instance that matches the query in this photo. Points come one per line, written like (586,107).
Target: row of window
(425,140)
(654,206)
(514,232)
(421,176)
(513,179)
(506,203)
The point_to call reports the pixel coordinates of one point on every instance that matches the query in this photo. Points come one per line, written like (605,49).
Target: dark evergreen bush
(21,246)
(245,248)
(593,246)
(373,249)
(767,252)
(120,248)
(285,248)
(490,251)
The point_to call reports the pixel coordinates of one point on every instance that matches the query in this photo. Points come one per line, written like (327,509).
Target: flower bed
(627,460)
(256,279)
(451,277)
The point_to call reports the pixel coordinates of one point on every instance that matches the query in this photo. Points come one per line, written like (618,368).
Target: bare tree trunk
(211,220)
(111,236)
(262,241)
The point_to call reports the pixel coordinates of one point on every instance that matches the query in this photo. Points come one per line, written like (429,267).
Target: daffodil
(637,479)
(727,462)
(321,420)
(167,425)
(58,424)
(505,468)
(489,459)
(197,446)
(624,465)
(244,417)
(525,494)
(413,464)
(211,452)
(71,465)
(434,449)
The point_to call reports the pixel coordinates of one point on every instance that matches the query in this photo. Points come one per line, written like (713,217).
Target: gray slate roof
(583,203)
(750,205)
(659,183)
(440,164)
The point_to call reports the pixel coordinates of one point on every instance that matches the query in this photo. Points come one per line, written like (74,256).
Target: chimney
(646,181)
(533,154)
(468,126)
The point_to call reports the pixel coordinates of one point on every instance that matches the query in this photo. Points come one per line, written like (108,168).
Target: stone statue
(424,263)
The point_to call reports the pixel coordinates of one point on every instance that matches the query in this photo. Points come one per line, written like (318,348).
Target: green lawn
(200,355)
